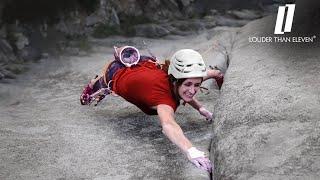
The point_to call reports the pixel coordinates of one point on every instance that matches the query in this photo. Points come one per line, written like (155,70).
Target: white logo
(288,20)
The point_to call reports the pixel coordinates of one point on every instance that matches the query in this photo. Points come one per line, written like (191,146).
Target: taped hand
(198,159)
(207,114)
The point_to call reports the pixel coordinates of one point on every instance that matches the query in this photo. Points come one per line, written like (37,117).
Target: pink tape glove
(207,114)
(198,158)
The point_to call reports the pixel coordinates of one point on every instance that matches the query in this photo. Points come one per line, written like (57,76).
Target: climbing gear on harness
(219,79)
(128,55)
(101,86)
(110,70)
(95,91)
(198,158)
(187,63)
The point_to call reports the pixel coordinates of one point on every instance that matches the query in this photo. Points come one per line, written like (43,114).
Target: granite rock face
(267,119)
(46,133)
(7,59)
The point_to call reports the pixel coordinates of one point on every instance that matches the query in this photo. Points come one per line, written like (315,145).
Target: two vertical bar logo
(284,19)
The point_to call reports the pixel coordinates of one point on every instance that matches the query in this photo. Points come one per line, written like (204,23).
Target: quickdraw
(96,97)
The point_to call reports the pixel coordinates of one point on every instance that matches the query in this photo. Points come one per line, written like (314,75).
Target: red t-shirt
(144,85)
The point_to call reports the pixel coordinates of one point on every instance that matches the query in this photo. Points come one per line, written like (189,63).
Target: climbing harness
(101,86)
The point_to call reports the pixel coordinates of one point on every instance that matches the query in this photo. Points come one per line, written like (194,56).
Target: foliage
(89,5)
(105,30)
(83,44)
(39,10)
(127,23)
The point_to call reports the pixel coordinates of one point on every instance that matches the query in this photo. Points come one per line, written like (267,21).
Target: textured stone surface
(267,121)
(150,30)
(46,133)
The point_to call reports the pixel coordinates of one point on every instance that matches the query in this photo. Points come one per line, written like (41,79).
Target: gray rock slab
(46,134)
(267,118)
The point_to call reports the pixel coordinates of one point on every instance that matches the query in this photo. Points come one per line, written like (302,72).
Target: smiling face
(189,88)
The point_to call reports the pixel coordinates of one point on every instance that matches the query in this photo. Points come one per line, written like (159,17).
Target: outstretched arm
(171,129)
(175,134)
(202,110)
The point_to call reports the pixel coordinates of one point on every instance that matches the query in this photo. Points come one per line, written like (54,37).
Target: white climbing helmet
(187,63)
